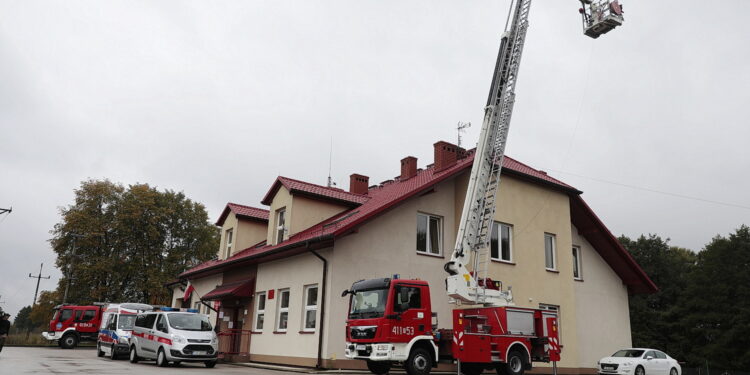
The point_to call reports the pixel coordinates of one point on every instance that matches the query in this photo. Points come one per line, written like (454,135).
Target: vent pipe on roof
(408,168)
(358,183)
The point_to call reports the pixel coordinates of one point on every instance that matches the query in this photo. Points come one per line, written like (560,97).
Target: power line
(671,194)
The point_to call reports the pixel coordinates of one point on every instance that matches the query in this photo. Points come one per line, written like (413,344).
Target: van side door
(161,333)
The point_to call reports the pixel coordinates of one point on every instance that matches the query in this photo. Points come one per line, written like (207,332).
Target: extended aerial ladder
(475,227)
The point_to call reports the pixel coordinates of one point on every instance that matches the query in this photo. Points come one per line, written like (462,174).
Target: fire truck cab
(72,324)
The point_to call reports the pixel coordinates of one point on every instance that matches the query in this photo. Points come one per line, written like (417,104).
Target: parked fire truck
(391,321)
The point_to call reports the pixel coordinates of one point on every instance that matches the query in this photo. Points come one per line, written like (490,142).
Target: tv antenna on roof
(330,159)
(460,128)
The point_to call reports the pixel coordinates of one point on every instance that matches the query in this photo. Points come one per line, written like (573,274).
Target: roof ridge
(246,206)
(338,190)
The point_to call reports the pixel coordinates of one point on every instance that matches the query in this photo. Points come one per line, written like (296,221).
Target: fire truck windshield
(126,322)
(189,322)
(368,304)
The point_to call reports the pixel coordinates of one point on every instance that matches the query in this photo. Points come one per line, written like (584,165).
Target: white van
(170,335)
(116,326)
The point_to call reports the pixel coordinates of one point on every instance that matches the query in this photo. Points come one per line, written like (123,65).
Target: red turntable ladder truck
(390,321)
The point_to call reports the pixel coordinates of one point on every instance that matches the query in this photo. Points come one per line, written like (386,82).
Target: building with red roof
(276,281)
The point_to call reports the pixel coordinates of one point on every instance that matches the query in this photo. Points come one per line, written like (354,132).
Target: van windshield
(189,322)
(368,304)
(126,322)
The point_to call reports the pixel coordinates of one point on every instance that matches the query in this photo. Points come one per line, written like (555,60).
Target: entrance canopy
(237,289)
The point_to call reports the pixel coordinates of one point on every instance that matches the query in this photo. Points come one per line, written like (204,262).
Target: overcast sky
(218,98)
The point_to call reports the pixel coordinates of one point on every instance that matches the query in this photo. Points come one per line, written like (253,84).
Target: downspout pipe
(319,364)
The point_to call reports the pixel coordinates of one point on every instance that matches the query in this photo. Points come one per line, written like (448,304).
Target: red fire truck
(390,321)
(72,324)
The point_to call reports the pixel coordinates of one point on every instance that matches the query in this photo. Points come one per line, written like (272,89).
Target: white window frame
(229,239)
(499,225)
(577,263)
(258,312)
(553,252)
(280,225)
(428,245)
(306,308)
(280,309)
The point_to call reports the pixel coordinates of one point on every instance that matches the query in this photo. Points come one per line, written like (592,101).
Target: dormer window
(228,250)
(280,224)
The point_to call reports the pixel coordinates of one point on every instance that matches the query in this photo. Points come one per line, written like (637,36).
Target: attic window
(280,224)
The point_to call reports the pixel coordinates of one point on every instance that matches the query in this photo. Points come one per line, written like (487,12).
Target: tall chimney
(358,183)
(446,155)
(408,167)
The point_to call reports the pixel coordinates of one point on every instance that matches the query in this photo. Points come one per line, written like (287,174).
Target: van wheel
(161,359)
(515,364)
(112,353)
(210,364)
(69,341)
(419,362)
(133,355)
(99,352)
(378,367)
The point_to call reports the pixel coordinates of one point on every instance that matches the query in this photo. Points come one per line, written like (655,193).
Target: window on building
(282,311)
(501,242)
(429,234)
(229,239)
(260,311)
(550,258)
(577,263)
(280,224)
(407,297)
(311,308)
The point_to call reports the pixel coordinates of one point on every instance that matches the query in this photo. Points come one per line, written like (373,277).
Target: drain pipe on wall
(319,365)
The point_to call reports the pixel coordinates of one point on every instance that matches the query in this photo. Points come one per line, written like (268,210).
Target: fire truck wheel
(210,364)
(99,352)
(112,353)
(419,362)
(133,355)
(515,365)
(378,367)
(161,359)
(69,341)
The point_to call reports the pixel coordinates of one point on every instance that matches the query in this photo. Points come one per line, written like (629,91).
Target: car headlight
(214,340)
(178,339)
(382,347)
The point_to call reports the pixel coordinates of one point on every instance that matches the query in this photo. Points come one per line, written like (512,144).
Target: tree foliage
(123,244)
(701,312)
(23,319)
(41,313)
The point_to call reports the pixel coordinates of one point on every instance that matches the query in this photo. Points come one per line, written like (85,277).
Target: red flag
(188,292)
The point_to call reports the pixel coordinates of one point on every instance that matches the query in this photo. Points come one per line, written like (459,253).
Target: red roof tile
(296,186)
(242,211)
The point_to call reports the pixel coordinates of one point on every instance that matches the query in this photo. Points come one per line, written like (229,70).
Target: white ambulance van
(116,327)
(174,335)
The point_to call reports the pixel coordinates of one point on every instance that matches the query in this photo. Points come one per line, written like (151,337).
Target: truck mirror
(345,292)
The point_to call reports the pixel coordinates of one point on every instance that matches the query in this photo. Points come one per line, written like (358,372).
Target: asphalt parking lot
(24,360)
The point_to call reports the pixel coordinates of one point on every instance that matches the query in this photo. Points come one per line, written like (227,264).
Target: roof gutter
(319,364)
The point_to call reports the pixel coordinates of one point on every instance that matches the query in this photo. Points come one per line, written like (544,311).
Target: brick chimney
(358,183)
(446,155)
(408,167)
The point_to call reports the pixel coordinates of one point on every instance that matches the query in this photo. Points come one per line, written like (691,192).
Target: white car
(639,361)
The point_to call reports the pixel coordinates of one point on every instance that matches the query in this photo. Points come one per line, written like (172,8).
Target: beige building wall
(294,273)
(603,317)
(308,212)
(249,233)
(202,286)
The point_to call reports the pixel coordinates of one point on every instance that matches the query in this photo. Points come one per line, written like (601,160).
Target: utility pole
(6,210)
(38,278)
(70,265)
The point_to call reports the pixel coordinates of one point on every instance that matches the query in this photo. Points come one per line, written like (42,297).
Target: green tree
(23,319)
(41,313)
(718,310)
(656,319)
(123,244)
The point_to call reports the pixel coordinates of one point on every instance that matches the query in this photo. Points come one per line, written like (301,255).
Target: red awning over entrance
(237,289)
